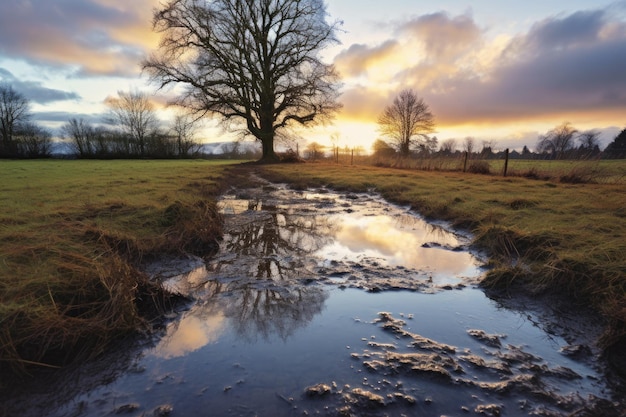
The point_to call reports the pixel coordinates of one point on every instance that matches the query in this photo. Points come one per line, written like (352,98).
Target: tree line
(130,129)
(408,122)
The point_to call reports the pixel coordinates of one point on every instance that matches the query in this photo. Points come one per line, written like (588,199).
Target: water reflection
(194,331)
(269,244)
(399,241)
(252,308)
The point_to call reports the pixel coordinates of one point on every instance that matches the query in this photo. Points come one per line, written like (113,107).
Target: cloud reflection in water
(191,333)
(398,241)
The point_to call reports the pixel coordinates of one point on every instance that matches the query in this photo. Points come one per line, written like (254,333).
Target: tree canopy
(253,63)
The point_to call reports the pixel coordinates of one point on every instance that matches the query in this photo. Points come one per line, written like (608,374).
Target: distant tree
(589,139)
(448,147)
(382,149)
(134,114)
(468,144)
(427,145)
(14,111)
(184,129)
(526,152)
(617,148)
(488,149)
(558,141)
(33,140)
(252,63)
(589,144)
(314,151)
(82,135)
(407,121)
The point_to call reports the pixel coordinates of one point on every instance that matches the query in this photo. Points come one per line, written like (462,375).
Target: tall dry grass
(72,234)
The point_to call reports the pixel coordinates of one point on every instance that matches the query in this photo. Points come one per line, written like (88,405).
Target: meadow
(73,235)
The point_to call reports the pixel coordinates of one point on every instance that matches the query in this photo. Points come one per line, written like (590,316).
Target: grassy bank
(570,238)
(71,235)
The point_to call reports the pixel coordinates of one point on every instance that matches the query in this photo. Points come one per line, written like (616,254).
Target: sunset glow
(489,70)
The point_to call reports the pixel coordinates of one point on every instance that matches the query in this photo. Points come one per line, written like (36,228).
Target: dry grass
(542,236)
(71,235)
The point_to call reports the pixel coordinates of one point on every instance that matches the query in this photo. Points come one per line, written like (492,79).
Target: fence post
(506,161)
(352,158)
(465,162)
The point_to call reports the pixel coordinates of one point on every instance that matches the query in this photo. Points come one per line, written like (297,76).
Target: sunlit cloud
(359,59)
(562,66)
(96,37)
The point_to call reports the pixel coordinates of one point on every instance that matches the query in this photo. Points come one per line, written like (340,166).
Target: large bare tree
(407,121)
(253,63)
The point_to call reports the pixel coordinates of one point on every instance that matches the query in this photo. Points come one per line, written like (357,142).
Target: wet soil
(322,303)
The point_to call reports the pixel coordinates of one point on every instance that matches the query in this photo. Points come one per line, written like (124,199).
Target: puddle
(333,304)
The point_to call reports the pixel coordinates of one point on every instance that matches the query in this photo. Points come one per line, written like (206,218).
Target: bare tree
(14,110)
(407,121)
(589,139)
(184,129)
(557,141)
(469,144)
(314,151)
(589,144)
(135,115)
(251,63)
(33,140)
(448,146)
(82,135)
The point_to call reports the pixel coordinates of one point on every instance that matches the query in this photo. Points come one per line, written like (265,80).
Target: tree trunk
(267,145)
(267,134)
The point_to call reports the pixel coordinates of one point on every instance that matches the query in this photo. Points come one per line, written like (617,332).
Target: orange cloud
(569,65)
(99,37)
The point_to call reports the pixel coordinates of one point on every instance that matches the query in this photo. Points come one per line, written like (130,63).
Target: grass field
(543,236)
(72,233)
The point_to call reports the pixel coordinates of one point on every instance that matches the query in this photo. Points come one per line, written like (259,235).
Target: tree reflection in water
(270,243)
(257,279)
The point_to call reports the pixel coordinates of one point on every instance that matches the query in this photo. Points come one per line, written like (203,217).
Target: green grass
(570,238)
(71,235)
(567,171)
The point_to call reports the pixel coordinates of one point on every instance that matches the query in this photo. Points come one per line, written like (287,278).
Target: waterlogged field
(374,334)
(541,235)
(70,232)
(324,303)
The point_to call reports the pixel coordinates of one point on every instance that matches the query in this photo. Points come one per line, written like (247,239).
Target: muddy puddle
(342,304)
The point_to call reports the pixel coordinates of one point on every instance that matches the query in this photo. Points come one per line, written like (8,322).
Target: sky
(503,72)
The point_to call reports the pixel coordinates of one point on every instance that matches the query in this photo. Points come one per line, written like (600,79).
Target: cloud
(99,37)
(442,37)
(359,58)
(34,91)
(567,65)
(562,66)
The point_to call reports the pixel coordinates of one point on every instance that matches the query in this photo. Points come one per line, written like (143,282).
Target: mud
(522,383)
(322,303)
